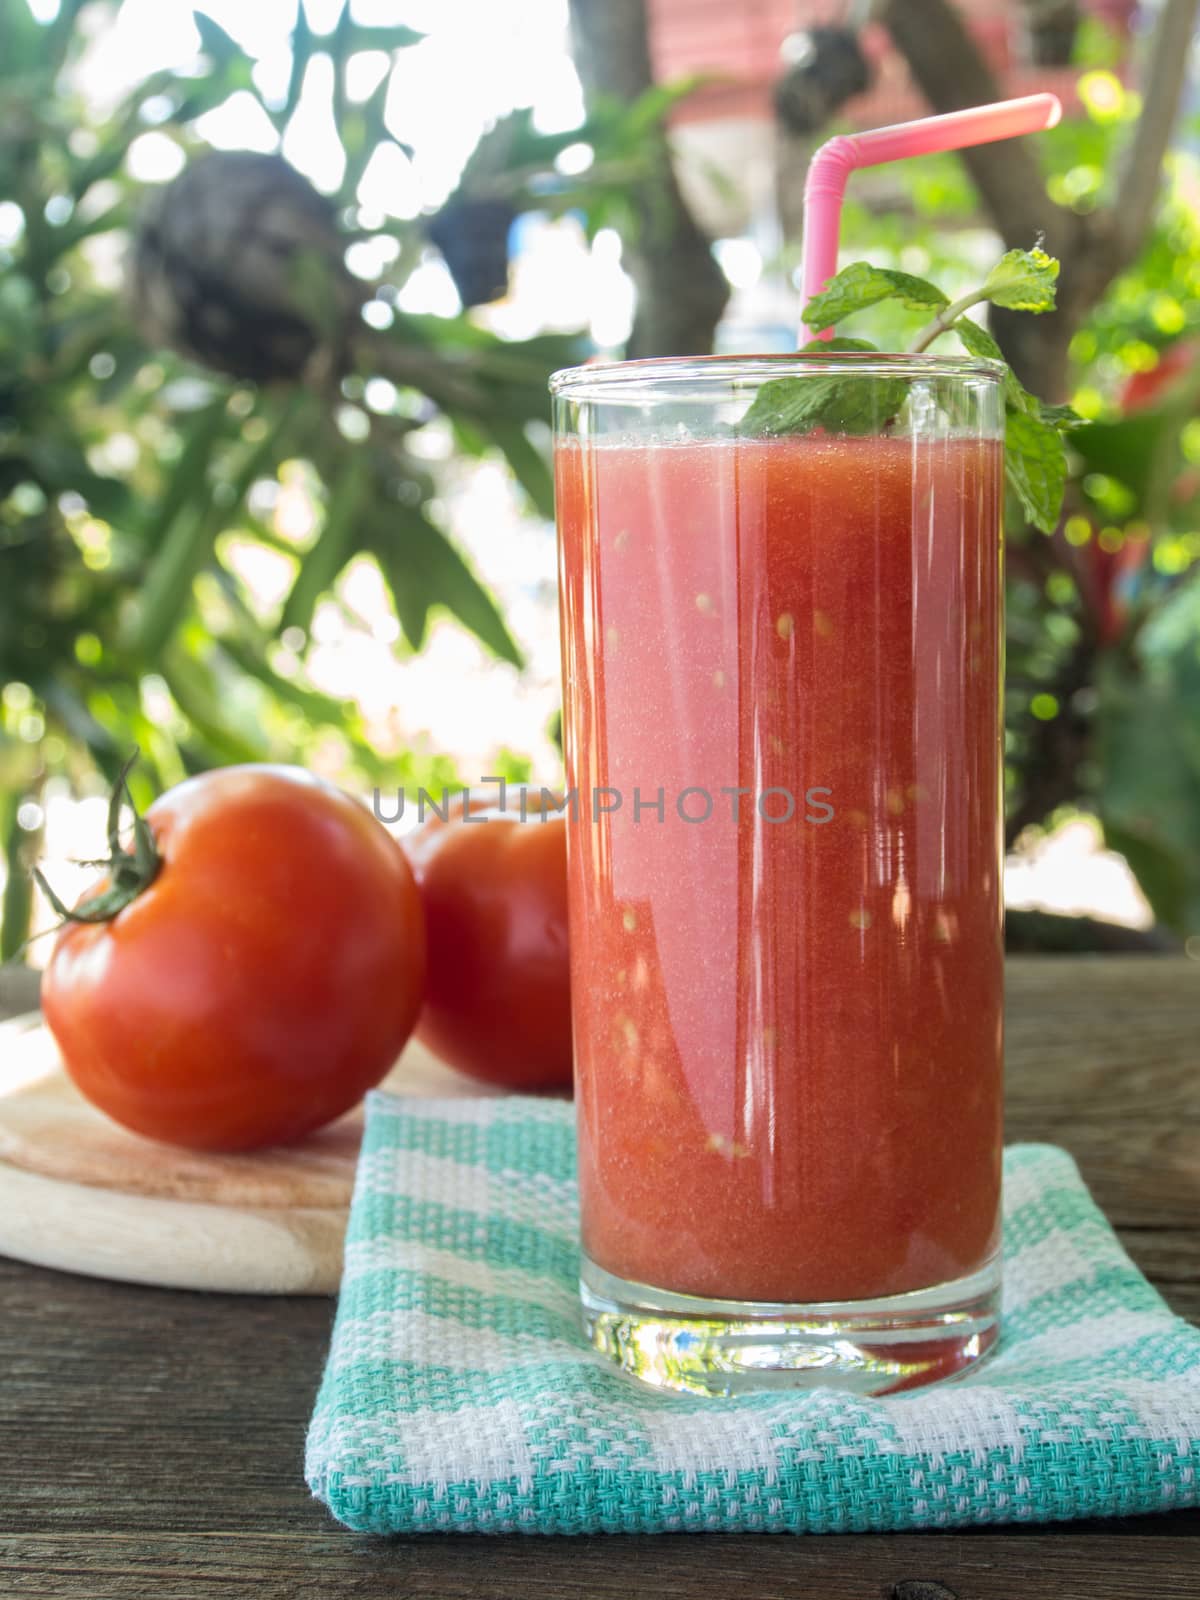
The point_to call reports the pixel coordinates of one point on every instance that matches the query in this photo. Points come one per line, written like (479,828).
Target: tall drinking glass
(781,591)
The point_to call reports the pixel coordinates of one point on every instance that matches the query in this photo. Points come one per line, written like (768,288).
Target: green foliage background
(1103,657)
(127,474)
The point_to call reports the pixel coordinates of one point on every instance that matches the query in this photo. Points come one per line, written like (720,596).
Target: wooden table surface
(151,1441)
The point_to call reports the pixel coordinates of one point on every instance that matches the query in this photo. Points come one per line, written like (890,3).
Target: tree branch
(681,289)
(951,74)
(1162,90)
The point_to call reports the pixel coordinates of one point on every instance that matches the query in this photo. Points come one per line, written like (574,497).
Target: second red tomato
(498,992)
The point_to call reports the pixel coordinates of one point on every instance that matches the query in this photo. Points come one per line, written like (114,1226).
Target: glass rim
(635,380)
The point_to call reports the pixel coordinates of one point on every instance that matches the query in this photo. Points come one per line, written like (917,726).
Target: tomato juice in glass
(782,676)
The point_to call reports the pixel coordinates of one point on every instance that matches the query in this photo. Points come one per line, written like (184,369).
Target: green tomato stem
(130,871)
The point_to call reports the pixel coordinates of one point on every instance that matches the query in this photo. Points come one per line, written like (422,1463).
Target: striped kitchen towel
(459,1394)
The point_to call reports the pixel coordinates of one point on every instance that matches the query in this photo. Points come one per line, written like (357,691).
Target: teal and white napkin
(459,1395)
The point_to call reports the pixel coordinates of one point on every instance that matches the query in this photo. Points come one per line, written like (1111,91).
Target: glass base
(728,1347)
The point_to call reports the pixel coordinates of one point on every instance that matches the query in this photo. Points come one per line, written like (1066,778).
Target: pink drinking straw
(825,186)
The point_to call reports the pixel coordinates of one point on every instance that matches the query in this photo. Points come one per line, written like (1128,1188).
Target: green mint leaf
(1035,465)
(849,404)
(1061,417)
(1035,461)
(815,347)
(861,285)
(1023,280)
(978,342)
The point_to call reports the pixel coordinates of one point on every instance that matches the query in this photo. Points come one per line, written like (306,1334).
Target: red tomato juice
(787,1024)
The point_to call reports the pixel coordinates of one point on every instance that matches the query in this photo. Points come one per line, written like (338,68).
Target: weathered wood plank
(150,1441)
(1117,1565)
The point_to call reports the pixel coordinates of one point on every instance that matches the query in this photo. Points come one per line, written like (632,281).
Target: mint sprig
(1022,280)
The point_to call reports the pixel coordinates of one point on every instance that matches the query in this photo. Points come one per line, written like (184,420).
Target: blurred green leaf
(382,36)
(1149,745)
(304,44)
(16,905)
(654,105)
(68,708)
(119,215)
(206,93)
(189,521)
(222,47)
(335,544)
(468,438)
(528,463)
(319,708)
(362,131)
(423,569)
(1128,450)
(176,533)
(186,481)
(168,585)
(24,43)
(61,467)
(199,698)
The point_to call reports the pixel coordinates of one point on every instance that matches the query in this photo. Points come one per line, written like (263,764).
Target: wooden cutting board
(79,1193)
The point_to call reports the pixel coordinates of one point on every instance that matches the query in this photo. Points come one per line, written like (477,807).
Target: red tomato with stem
(265,974)
(498,993)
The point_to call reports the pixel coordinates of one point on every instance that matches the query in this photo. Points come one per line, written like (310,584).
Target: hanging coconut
(828,68)
(471,230)
(239,264)
(1053,26)
(472,235)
